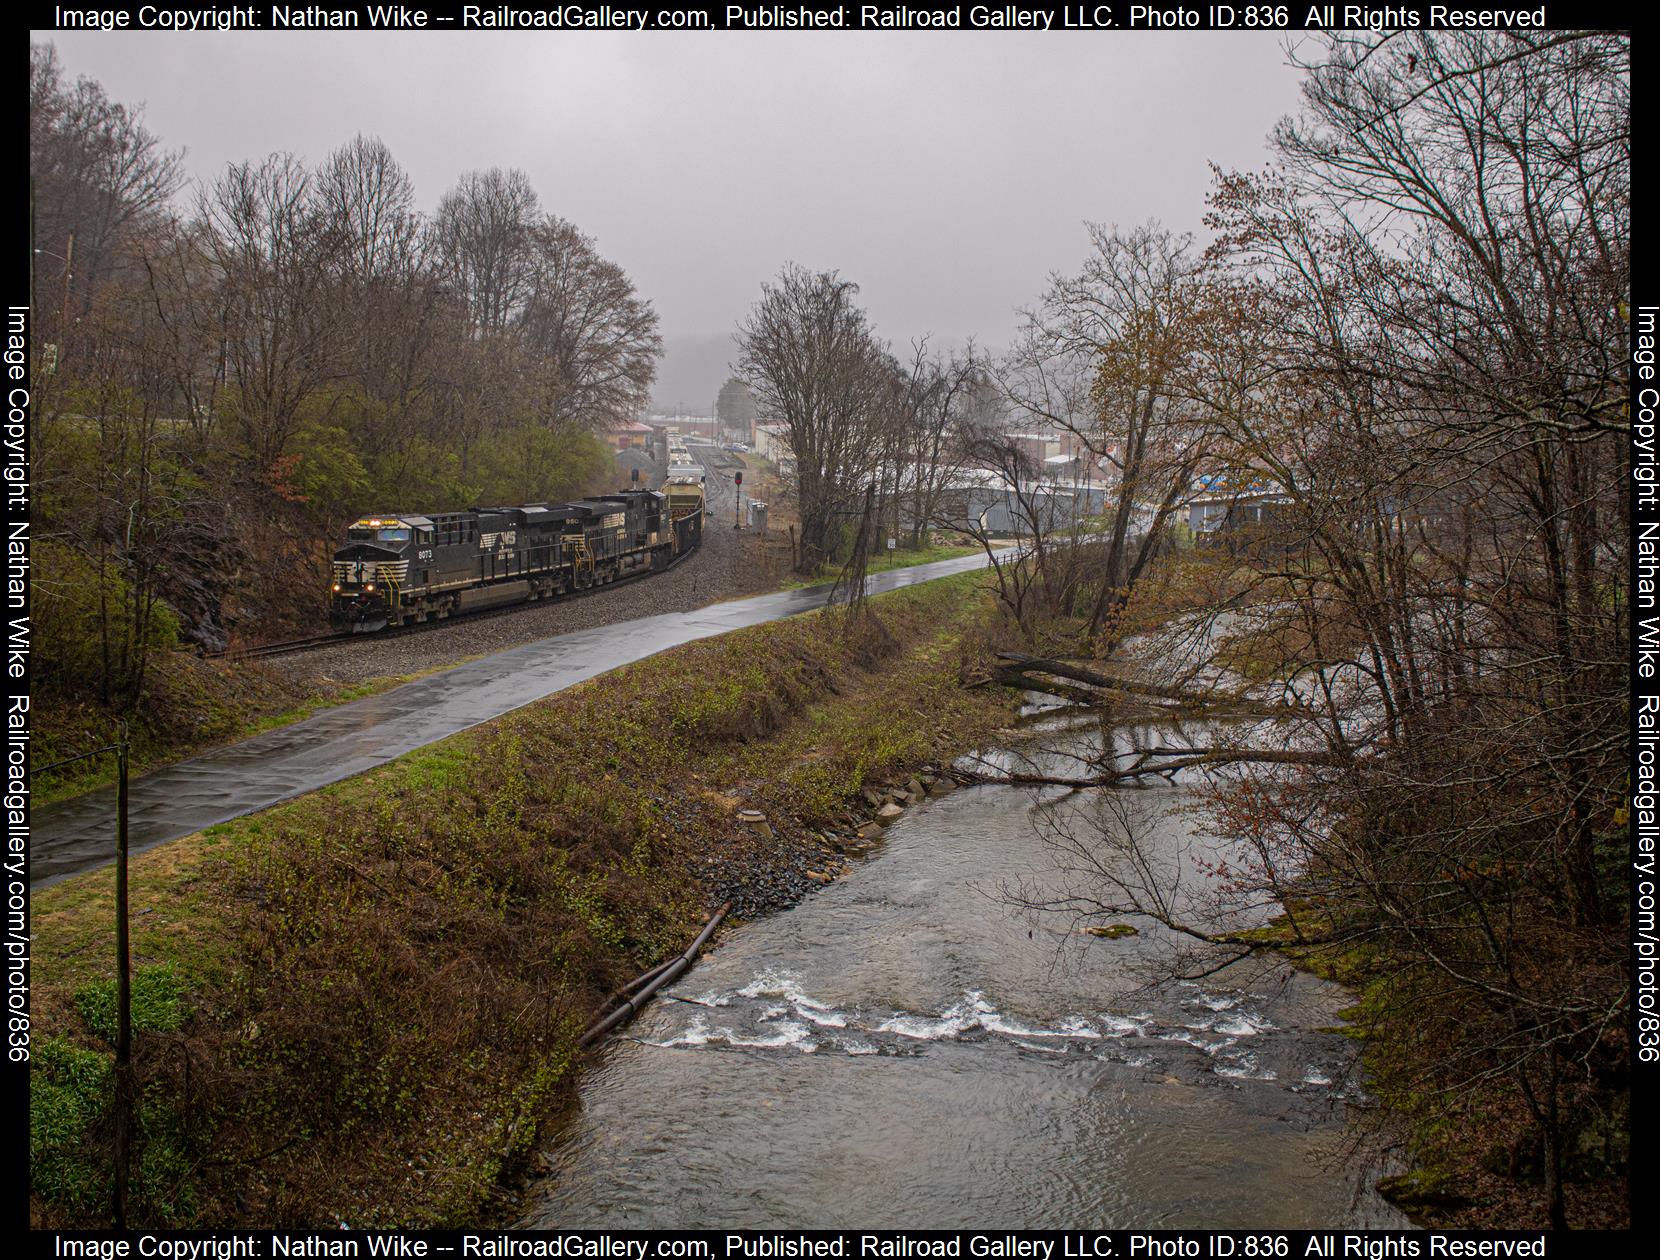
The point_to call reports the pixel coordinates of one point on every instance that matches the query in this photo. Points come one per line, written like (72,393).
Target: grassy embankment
(362,1006)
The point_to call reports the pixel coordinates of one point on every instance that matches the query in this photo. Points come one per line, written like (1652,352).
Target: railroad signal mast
(738,510)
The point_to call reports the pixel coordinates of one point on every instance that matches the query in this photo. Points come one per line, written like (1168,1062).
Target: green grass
(155,1002)
(69,1098)
(899,558)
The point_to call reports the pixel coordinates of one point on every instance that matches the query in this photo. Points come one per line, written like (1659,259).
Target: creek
(909,1048)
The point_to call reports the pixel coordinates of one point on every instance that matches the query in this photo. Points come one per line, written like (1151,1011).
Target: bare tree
(808,354)
(1424,365)
(1111,355)
(483,227)
(125,498)
(97,176)
(366,201)
(999,469)
(392,310)
(932,428)
(273,256)
(590,341)
(187,297)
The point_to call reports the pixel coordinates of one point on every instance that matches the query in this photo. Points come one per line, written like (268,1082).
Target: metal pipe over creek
(652,981)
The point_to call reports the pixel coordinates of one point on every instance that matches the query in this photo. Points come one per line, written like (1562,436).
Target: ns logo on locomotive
(399,568)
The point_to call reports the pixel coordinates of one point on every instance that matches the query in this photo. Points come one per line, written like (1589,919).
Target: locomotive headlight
(337,586)
(369,587)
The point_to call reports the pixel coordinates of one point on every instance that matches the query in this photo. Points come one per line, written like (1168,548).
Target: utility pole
(123,993)
(68,275)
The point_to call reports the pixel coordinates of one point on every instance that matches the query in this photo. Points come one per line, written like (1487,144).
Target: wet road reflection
(79,834)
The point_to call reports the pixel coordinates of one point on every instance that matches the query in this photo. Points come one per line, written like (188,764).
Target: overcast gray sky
(947,173)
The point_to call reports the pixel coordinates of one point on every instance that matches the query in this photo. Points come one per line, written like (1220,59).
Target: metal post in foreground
(123,994)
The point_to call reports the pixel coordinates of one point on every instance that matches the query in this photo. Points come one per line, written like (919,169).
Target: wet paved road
(79,834)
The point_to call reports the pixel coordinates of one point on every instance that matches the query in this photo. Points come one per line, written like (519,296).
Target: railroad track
(723,461)
(278,649)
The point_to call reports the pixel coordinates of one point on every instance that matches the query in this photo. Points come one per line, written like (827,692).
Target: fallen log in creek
(1155,762)
(651,981)
(1017,670)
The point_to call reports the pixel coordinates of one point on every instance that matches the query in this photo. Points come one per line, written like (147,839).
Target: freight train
(398,568)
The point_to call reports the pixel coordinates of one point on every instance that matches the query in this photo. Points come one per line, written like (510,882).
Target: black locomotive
(402,567)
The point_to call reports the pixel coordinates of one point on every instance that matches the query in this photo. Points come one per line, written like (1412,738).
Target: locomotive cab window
(378,535)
